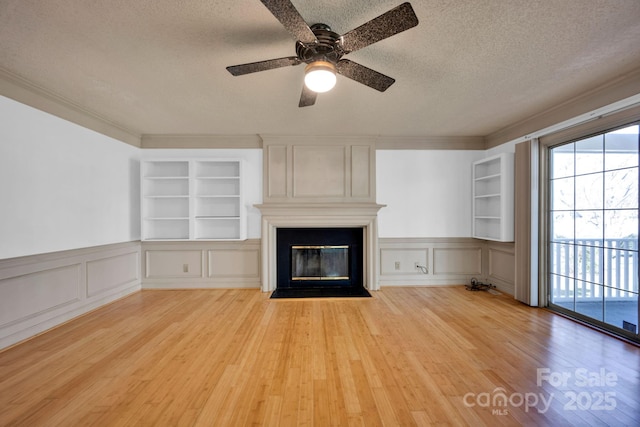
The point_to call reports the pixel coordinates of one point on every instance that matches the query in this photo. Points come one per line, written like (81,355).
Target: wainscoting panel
(39,292)
(107,273)
(501,266)
(400,262)
(232,263)
(173,264)
(197,265)
(448,261)
(42,291)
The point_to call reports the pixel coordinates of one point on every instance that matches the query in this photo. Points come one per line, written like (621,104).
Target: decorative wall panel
(38,292)
(446,261)
(457,261)
(230,263)
(42,291)
(360,171)
(394,262)
(501,266)
(175,264)
(191,265)
(319,171)
(441,261)
(107,273)
(278,165)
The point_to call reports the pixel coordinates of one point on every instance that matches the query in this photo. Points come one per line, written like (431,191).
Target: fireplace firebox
(319,262)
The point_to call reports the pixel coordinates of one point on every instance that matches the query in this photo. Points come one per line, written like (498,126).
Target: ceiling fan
(322,49)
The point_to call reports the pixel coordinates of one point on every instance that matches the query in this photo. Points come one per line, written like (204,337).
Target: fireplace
(323,182)
(287,216)
(319,262)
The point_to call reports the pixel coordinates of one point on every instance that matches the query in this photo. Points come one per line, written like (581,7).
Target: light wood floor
(407,356)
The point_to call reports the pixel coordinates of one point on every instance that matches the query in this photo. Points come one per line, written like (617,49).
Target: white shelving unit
(192,200)
(493,198)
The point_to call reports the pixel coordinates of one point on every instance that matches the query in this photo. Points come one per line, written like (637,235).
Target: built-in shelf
(192,200)
(493,198)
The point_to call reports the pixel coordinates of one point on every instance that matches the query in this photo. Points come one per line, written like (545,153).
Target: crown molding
(430,143)
(151,141)
(317,139)
(26,92)
(386,142)
(616,90)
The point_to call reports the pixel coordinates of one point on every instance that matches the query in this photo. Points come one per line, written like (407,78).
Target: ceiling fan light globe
(320,76)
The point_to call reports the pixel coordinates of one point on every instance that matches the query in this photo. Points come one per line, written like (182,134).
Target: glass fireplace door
(319,262)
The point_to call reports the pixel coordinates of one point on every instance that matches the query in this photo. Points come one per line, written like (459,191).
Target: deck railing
(594,268)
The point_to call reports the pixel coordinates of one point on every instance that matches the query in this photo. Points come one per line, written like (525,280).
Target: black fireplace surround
(319,262)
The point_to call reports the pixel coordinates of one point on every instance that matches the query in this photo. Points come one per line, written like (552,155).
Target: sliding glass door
(593,229)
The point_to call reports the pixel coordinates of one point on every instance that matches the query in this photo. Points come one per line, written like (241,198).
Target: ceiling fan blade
(253,67)
(308,97)
(386,25)
(290,18)
(364,75)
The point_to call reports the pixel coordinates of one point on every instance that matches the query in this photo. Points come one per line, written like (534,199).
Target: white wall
(252,165)
(427,192)
(62,186)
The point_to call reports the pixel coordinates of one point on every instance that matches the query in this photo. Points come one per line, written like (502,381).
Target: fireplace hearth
(319,262)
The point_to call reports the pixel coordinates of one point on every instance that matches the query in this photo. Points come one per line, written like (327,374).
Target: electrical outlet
(397,265)
(185,268)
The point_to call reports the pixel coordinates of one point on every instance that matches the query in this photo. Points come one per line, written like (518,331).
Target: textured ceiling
(470,67)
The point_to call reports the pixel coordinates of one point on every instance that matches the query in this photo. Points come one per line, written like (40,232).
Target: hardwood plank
(407,356)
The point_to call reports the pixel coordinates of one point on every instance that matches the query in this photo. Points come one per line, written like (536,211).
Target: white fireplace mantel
(298,215)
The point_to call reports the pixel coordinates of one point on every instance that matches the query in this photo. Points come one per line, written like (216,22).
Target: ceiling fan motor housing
(328,48)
